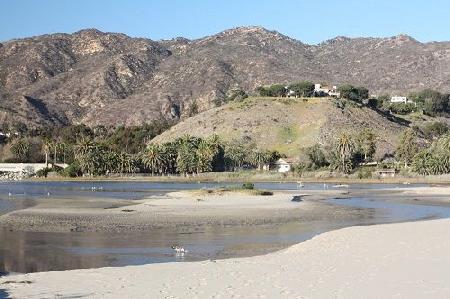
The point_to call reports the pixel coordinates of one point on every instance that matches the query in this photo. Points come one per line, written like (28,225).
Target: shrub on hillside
(402,108)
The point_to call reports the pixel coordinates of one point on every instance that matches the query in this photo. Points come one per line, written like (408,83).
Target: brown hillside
(287,124)
(94,77)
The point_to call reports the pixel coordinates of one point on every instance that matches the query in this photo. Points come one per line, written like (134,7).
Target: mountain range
(94,78)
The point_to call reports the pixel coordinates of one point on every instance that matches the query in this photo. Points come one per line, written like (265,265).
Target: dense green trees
(344,153)
(350,92)
(435,159)
(365,144)
(306,89)
(432,102)
(276,90)
(316,157)
(20,148)
(302,89)
(97,159)
(191,155)
(407,147)
(236,94)
(402,108)
(186,155)
(235,154)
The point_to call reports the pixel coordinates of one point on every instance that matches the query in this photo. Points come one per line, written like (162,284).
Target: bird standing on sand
(179,249)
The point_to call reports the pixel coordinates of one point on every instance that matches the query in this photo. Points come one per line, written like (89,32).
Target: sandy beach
(177,210)
(408,260)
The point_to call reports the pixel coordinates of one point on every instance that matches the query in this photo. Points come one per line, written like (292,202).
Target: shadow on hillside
(41,107)
(392,118)
(38,104)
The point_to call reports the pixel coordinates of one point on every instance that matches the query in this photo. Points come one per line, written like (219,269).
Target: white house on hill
(398,99)
(326,90)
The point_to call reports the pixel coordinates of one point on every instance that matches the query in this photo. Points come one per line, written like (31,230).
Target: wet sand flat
(178,210)
(407,260)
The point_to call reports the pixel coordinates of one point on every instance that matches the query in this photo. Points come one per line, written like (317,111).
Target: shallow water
(32,252)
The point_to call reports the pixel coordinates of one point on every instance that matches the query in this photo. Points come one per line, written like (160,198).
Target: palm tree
(110,162)
(153,158)
(125,162)
(259,158)
(64,147)
(46,148)
(205,153)
(87,155)
(186,155)
(235,154)
(345,148)
(169,154)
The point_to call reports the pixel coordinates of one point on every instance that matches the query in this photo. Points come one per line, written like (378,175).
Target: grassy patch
(233,189)
(288,134)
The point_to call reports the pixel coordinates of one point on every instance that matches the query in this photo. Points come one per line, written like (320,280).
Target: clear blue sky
(310,21)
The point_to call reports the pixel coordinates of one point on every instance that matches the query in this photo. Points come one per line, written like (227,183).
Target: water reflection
(32,252)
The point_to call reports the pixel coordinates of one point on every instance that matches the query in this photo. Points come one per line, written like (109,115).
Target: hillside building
(283,165)
(320,90)
(399,99)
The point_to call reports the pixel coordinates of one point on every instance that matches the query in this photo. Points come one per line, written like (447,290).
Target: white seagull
(179,249)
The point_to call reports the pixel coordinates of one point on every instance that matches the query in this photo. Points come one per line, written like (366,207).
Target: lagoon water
(32,251)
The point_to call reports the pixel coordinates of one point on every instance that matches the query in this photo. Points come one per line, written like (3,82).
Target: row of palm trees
(55,148)
(185,155)
(193,155)
(96,159)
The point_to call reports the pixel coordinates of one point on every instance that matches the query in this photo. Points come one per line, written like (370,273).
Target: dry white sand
(408,260)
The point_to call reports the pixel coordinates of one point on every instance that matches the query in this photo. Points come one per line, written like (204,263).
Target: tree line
(429,102)
(343,154)
(187,155)
(307,89)
(103,151)
(93,155)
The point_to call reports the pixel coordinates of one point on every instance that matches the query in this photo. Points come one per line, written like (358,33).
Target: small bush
(42,173)
(73,170)
(364,173)
(402,108)
(263,192)
(248,186)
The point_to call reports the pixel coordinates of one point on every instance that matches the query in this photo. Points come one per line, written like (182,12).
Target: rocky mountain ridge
(94,77)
